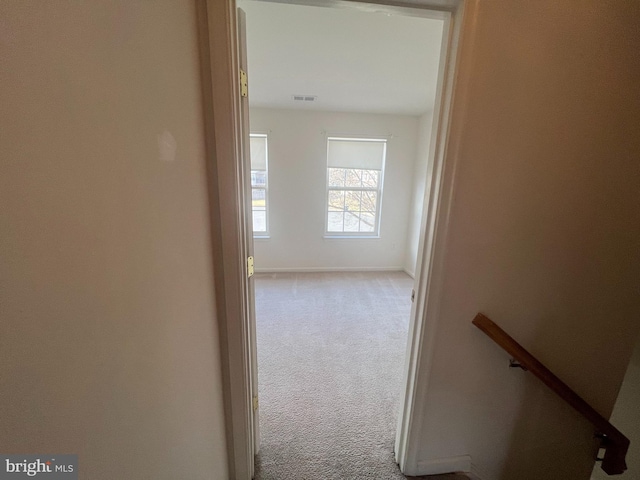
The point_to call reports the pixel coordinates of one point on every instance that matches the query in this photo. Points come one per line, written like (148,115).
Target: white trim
(411,274)
(476,474)
(431,249)
(218,49)
(327,269)
(265,133)
(433,9)
(462,464)
(359,138)
(335,236)
(459,464)
(243,165)
(410,419)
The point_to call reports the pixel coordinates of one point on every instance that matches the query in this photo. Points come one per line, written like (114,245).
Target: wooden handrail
(613,441)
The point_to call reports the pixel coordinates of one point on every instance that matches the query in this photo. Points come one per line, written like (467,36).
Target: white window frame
(262,233)
(378,190)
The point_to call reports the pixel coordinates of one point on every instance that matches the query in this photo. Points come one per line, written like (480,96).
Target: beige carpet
(330,350)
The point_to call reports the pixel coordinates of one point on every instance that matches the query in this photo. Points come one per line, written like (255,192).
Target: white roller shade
(346,153)
(258,152)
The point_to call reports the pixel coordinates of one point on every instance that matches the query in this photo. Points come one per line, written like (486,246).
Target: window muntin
(354,186)
(259,184)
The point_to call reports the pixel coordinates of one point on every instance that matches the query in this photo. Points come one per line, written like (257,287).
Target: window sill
(261,237)
(352,237)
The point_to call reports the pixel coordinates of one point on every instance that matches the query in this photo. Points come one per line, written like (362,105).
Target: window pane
(351,222)
(336,177)
(335,221)
(258,198)
(352,200)
(336,200)
(258,178)
(369,201)
(259,181)
(354,178)
(370,178)
(259,221)
(367,222)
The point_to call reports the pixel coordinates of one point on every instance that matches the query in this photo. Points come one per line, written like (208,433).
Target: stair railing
(612,440)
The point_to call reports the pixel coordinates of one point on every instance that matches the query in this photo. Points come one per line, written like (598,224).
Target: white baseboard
(460,464)
(474,474)
(326,269)
(411,274)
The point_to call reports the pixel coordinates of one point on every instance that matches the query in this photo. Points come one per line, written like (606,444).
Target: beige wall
(109,343)
(543,235)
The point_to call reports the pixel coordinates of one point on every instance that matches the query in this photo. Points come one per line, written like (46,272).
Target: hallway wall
(542,237)
(109,345)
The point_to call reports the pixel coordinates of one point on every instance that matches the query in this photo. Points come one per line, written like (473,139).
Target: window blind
(258,152)
(363,154)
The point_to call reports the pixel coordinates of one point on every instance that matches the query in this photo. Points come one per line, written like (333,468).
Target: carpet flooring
(331,352)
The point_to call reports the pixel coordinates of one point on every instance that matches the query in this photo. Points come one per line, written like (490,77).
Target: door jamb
(220,77)
(437,202)
(219,61)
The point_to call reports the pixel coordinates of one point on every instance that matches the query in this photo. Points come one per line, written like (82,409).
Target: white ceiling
(354,61)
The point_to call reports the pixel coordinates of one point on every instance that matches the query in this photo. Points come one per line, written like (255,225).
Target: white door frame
(219,60)
(220,76)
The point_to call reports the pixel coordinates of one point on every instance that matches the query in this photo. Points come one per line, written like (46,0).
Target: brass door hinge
(255,403)
(249,267)
(244,86)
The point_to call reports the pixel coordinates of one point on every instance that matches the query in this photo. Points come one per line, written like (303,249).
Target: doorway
(338,180)
(220,42)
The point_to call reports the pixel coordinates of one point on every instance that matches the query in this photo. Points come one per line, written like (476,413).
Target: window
(259,185)
(355,168)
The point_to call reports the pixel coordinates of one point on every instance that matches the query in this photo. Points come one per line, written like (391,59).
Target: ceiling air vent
(304,98)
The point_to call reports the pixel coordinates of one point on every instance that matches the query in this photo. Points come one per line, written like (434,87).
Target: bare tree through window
(353,194)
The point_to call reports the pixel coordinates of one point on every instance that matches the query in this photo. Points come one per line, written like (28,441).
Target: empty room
(341,112)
